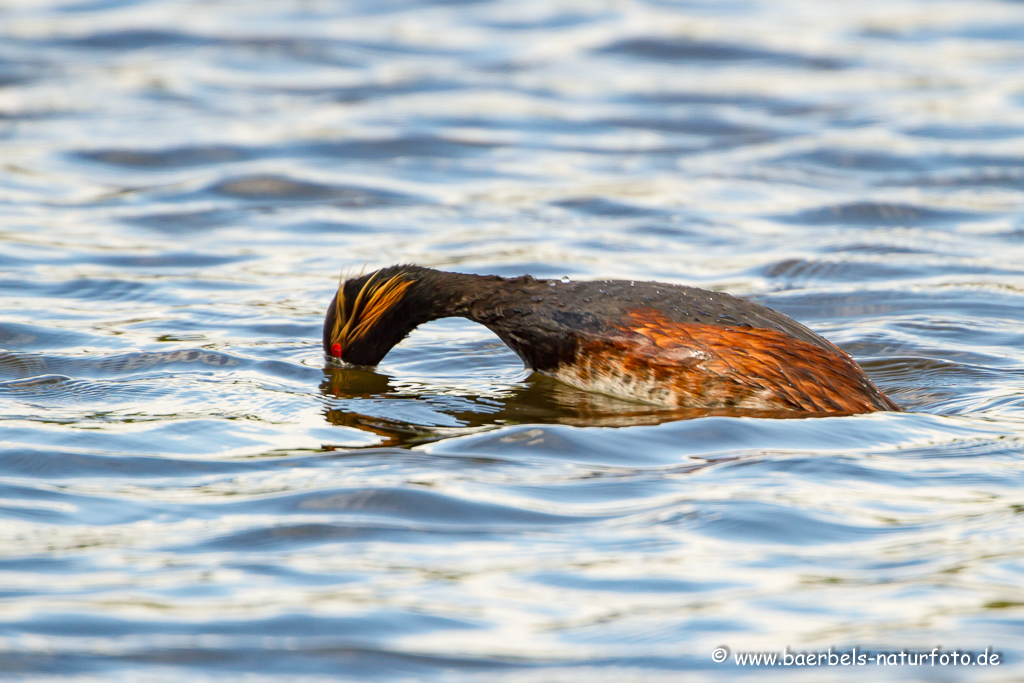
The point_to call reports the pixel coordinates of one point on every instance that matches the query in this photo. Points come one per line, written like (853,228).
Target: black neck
(490,300)
(518,310)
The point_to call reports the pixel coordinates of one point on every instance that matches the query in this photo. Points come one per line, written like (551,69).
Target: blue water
(188,493)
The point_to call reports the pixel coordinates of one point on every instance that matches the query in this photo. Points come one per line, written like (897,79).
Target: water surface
(188,492)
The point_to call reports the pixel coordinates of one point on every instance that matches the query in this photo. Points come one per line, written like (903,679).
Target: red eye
(336,350)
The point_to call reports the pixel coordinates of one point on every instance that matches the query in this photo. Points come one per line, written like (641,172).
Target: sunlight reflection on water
(187,491)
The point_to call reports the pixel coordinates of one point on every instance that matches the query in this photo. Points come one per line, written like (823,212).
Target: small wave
(132,39)
(180,157)
(280,188)
(682,49)
(878,213)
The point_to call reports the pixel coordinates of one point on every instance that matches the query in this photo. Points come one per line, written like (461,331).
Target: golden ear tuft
(354,320)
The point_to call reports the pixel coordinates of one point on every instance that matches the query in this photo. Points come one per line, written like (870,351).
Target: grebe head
(370,314)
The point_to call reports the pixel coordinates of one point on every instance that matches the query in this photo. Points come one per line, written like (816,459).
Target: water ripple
(189,491)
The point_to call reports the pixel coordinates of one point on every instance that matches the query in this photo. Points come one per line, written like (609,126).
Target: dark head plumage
(359,325)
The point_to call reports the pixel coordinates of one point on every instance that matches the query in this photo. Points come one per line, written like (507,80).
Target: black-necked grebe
(654,342)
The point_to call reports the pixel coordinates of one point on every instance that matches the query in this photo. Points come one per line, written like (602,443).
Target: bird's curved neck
(375,312)
(445,295)
(498,303)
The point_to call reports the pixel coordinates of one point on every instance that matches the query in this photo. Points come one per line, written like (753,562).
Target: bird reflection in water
(363,399)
